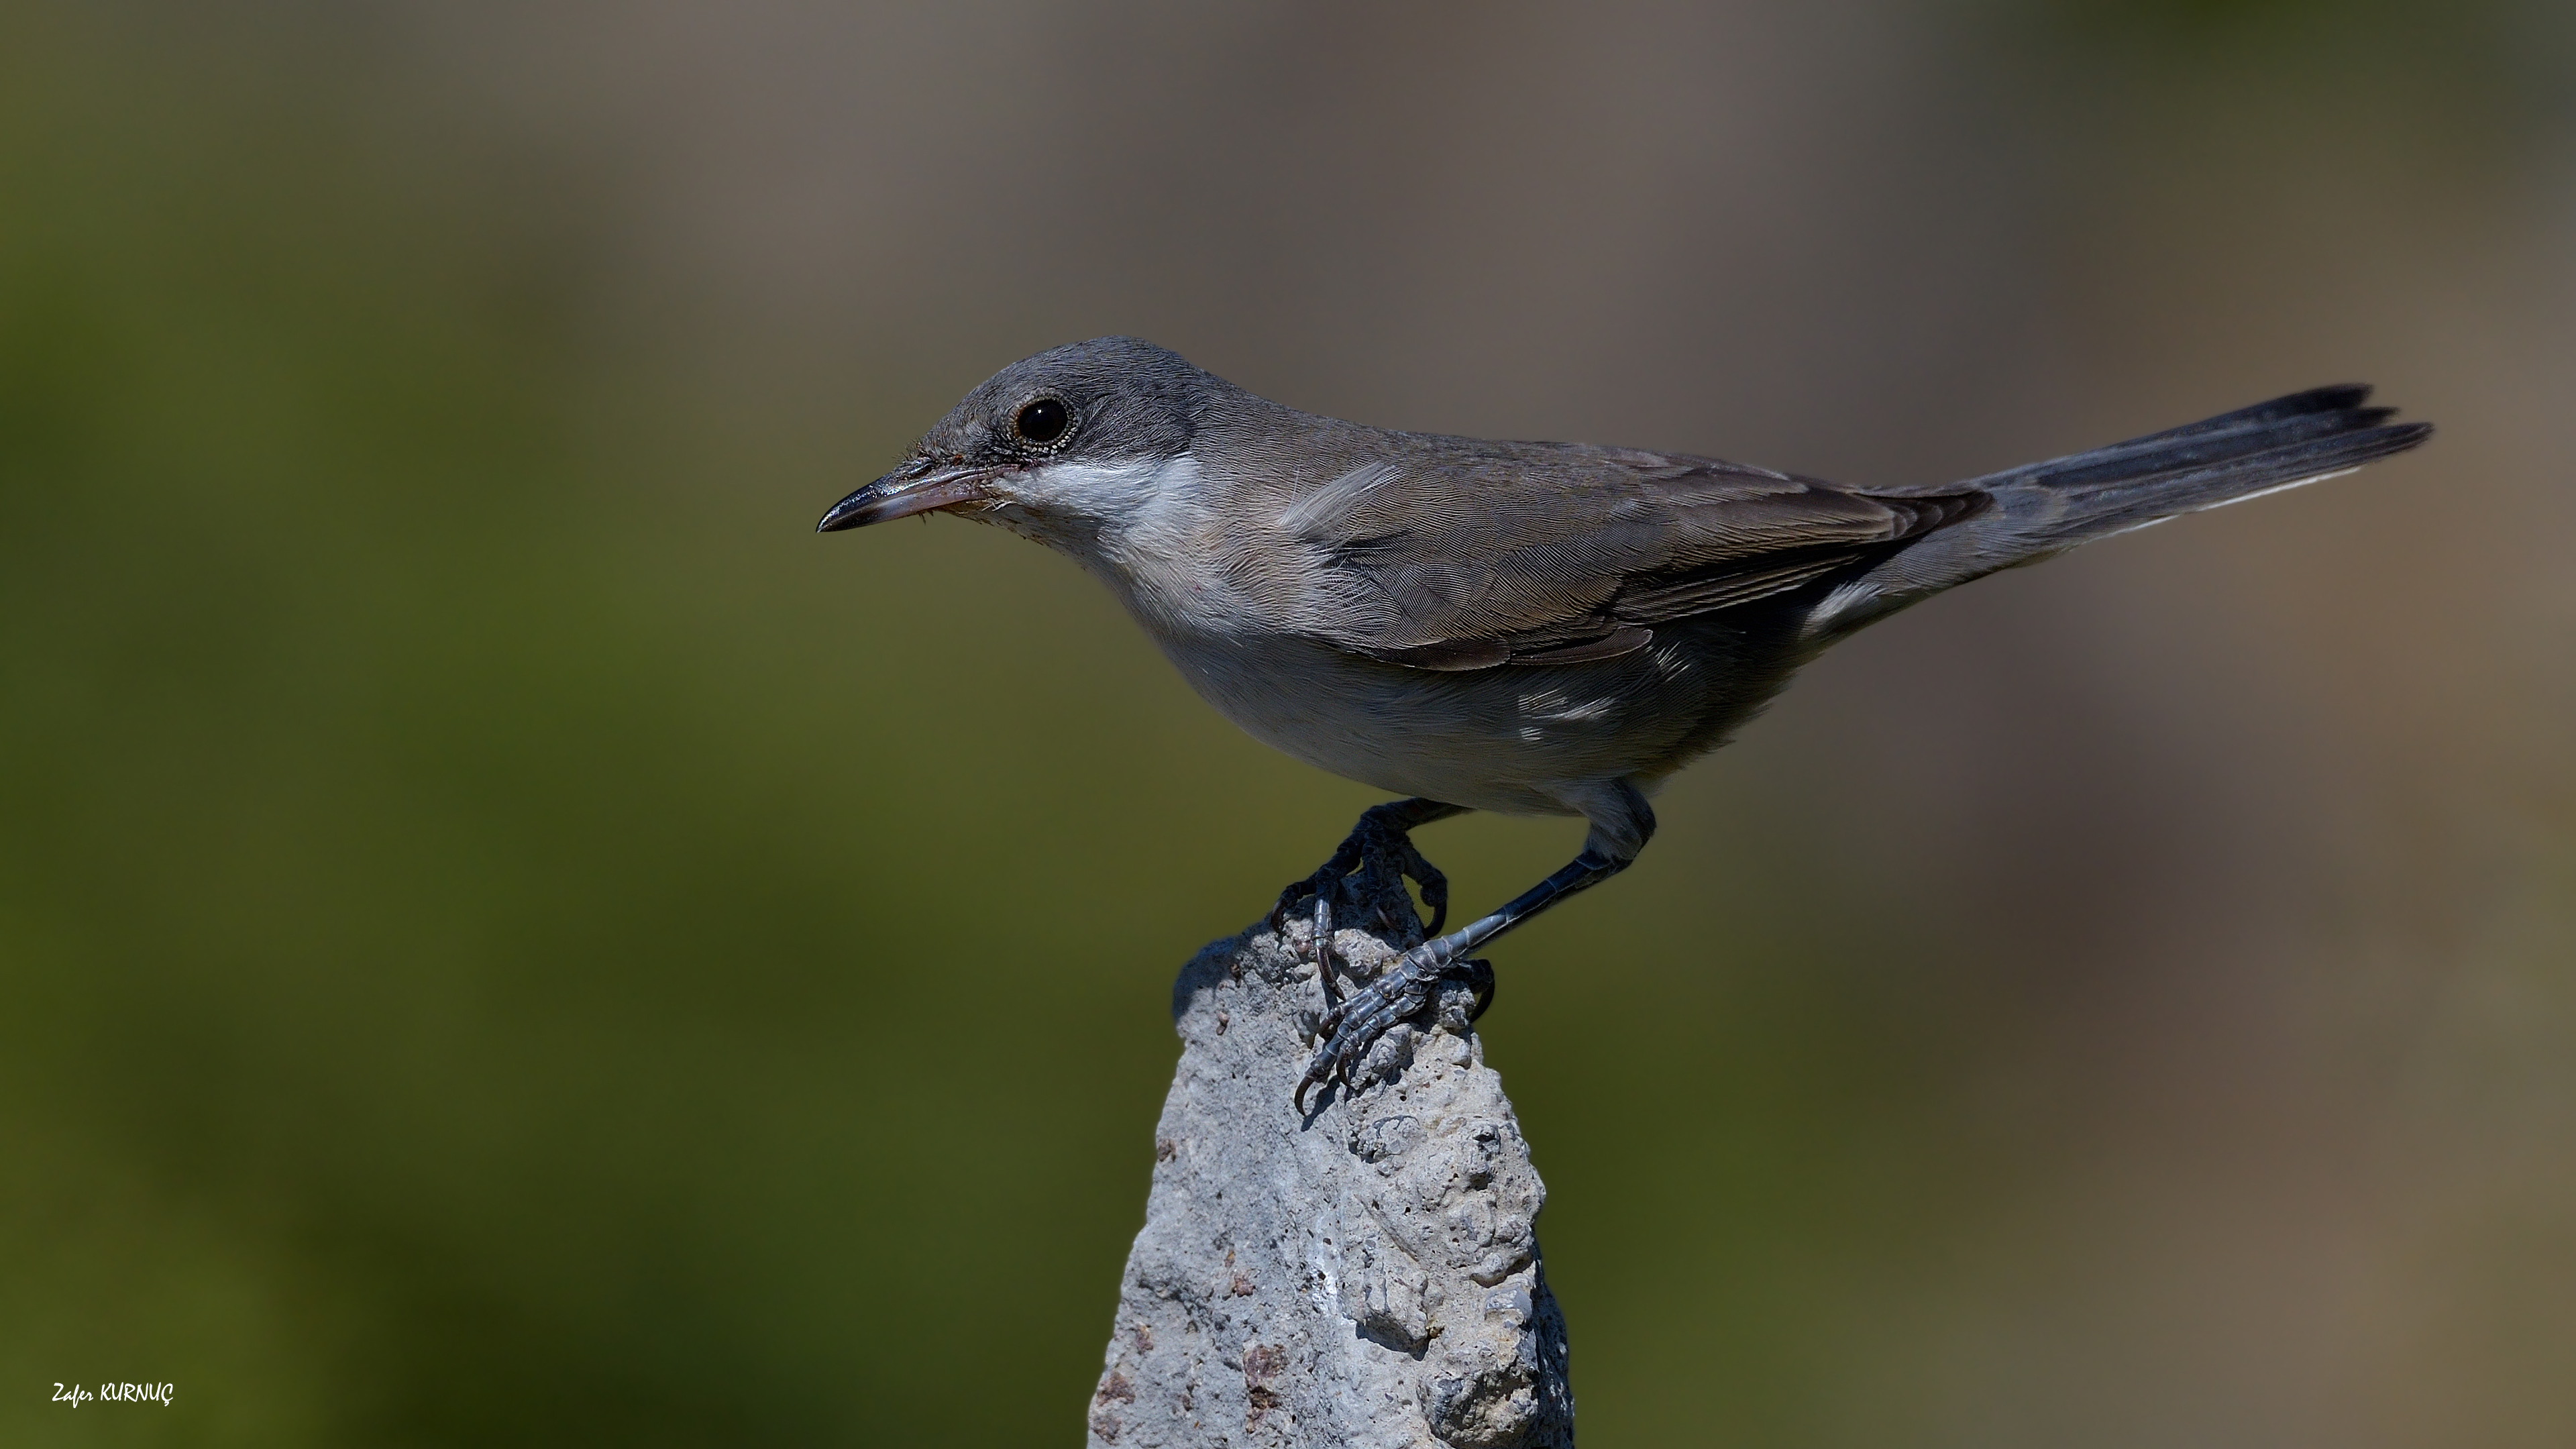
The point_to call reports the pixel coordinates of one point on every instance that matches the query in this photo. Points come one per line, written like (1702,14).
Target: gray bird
(1532,628)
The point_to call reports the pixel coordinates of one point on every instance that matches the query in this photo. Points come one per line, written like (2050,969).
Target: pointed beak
(920,486)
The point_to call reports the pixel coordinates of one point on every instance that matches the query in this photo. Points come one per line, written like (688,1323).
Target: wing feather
(1483,555)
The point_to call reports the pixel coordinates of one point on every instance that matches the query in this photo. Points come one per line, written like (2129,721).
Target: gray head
(1048,443)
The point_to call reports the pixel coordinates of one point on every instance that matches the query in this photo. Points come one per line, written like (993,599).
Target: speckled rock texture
(1366,1276)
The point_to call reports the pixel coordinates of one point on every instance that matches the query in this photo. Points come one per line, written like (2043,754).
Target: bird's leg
(1379,845)
(1621,825)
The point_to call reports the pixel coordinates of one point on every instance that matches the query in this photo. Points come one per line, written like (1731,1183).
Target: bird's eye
(1043,422)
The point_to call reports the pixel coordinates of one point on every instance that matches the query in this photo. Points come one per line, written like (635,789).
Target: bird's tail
(2041,509)
(2303,438)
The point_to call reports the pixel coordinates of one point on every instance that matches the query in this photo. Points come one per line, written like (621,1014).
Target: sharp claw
(1324,950)
(1323,1068)
(1480,981)
(1435,894)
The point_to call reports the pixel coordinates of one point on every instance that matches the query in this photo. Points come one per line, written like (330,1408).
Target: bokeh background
(508,938)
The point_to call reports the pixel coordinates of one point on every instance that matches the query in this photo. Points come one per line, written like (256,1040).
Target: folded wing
(1558,554)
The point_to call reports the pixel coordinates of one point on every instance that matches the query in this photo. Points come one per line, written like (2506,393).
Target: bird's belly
(1510,739)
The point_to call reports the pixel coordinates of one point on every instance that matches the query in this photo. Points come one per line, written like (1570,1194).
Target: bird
(1529,628)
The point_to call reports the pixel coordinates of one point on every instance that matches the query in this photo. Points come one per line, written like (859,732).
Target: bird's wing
(1559,554)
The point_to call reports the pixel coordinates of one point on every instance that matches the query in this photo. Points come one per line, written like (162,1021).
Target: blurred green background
(506,937)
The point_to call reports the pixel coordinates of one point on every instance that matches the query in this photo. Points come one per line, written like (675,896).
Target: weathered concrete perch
(1368,1277)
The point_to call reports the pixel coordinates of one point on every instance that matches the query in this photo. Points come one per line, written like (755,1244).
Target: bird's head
(1058,446)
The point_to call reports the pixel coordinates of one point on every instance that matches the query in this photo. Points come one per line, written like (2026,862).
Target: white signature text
(79,1394)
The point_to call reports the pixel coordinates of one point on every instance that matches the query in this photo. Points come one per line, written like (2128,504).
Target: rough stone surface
(1366,1276)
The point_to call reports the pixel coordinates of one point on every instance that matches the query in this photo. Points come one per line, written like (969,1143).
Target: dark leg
(1621,824)
(1380,842)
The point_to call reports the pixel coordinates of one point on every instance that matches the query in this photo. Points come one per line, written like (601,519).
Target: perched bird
(1532,628)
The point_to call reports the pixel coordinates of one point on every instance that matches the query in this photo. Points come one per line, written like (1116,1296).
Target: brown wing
(1558,554)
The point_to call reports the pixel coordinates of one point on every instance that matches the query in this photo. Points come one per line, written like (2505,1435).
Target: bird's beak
(920,486)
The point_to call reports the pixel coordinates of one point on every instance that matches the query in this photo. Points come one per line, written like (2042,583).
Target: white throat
(1145,528)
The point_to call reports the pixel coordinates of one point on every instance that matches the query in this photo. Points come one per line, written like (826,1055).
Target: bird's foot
(1355,1023)
(1378,852)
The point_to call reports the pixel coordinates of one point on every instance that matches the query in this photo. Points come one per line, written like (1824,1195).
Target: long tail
(2042,509)
(2306,437)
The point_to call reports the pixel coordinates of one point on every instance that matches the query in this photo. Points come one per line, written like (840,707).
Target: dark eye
(1043,421)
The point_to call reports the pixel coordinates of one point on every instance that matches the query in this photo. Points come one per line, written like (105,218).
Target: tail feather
(2096,499)
(2300,438)
(2045,508)
(2339,398)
